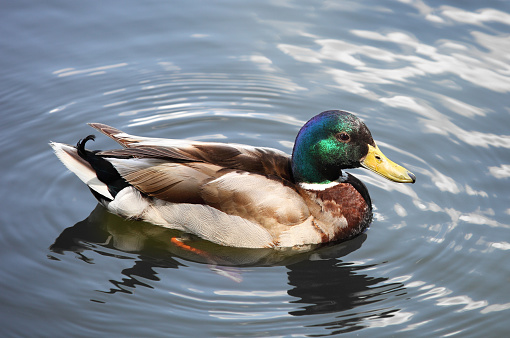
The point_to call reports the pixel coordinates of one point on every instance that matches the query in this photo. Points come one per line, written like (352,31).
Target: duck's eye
(343,137)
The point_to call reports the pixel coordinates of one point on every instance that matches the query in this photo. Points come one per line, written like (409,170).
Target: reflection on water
(107,230)
(346,295)
(431,80)
(177,96)
(333,287)
(413,59)
(317,279)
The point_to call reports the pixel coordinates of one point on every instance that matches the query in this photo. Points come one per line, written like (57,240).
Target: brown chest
(343,201)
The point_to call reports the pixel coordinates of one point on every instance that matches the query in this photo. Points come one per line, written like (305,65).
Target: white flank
(128,203)
(210,224)
(300,234)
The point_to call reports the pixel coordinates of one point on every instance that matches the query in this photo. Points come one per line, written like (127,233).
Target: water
(431,80)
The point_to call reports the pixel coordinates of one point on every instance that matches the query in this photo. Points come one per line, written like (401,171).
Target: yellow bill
(380,164)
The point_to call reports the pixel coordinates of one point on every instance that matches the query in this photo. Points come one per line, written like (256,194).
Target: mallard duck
(238,195)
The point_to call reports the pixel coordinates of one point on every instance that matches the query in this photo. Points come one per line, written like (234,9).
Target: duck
(239,195)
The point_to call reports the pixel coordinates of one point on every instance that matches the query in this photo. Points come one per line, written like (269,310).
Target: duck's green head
(336,140)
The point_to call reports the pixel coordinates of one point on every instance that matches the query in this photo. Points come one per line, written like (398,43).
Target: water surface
(430,79)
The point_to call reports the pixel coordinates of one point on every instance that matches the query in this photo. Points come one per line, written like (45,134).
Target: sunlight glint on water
(430,80)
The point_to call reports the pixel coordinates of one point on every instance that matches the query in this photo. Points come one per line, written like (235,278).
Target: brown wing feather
(110,132)
(264,161)
(261,161)
(211,173)
(162,153)
(172,182)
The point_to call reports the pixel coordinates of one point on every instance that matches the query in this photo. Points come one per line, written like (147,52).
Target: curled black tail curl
(80,146)
(105,171)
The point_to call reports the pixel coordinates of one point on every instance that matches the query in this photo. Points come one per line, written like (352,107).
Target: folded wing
(259,160)
(238,180)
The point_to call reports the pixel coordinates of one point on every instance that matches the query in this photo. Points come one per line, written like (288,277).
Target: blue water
(430,79)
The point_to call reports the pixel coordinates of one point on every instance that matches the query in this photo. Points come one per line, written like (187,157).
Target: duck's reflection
(331,286)
(318,279)
(159,245)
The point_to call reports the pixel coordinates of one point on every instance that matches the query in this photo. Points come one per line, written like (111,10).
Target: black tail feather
(80,146)
(105,171)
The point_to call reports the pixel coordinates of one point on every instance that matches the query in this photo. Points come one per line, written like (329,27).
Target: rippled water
(431,80)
